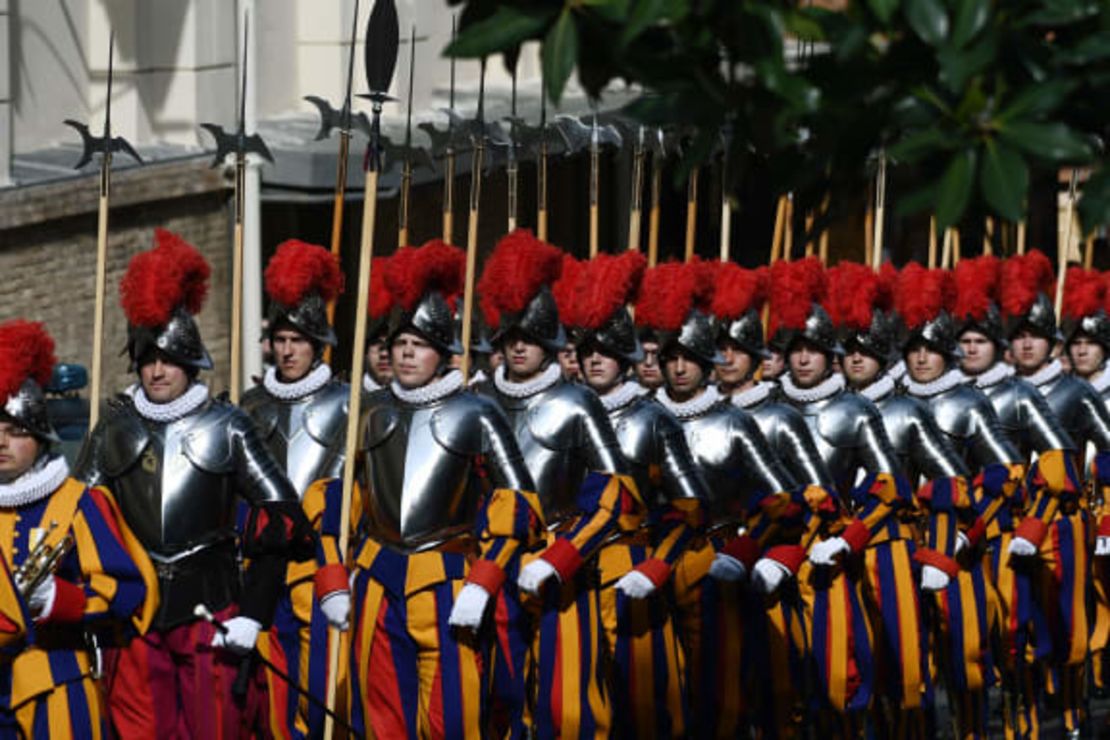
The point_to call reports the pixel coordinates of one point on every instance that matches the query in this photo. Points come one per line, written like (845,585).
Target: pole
(635,213)
(1065,248)
(880,210)
(932,242)
(101,279)
(653,214)
(691,212)
(236,379)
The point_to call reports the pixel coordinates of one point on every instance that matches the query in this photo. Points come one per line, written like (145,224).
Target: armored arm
(674,525)
(89,467)
(1038,421)
(876,453)
(930,451)
(601,448)
(1098,420)
(791,440)
(989,444)
(506,464)
(261,481)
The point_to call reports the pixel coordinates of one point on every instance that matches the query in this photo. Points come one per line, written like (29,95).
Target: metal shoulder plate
(840,421)
(381,419)
(555,419)
(262,408)
(208,442)
(123,437)
(325,419)
(460,424)
(959,411)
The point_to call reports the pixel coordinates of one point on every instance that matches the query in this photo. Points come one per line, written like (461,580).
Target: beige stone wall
(48,256)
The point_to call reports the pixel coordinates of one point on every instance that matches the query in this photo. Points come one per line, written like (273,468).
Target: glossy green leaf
(884,9)
(1037,100)
(955,188)
(560,52)
(1052,142)
(917,145)
(928,19)
(642,15)
(1004,181)
(507,27)
(971,17)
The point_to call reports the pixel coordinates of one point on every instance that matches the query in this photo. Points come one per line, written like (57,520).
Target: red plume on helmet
(922,294)
(565,287)
(1084,293)
(26,351)
(299,269)
(607,283)
(976,286)
(670,290)
(1023,277)
(795,287)
(414,271)
(159,280)
(737,290)
(381,300)
(518,268)
(854,292)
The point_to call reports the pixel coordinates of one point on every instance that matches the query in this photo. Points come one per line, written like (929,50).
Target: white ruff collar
(827,388)
(430,392)
(36,483)
(182,406)
(990,378)
(897,371)
(944,383)
(478,377)
(751,396)
(696,406)
(310,383)
(881,388)
(625,394)
(549,377)
(1101,381)
(369,384)
(1046,374)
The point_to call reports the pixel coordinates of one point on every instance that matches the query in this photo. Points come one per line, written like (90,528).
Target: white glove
(1022,548)
(1102,545)
(336,606)
(533,575)
(933,578)
(635,585)
(727,568)
(242,633)
(826,551)
(469,607)
(768,575)
(41,601)
(962,542)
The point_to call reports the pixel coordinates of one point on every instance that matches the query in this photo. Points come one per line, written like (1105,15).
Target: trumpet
(42,561)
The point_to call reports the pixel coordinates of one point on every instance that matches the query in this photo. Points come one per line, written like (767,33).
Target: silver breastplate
(1080,410)
(655,450)
(425,485)
(924,450)
(967,418)
(306,435)
(1026,418)
(849,434)
(786,432)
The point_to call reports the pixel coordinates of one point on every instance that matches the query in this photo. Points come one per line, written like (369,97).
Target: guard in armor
(743,480)
(177,459)
(379,367)
(925,300)
(648,669)
(78,568)
(1053,536)
(301,414)
(572,453)
(448,510)
(1086,326)
(849,434)
(1033,429)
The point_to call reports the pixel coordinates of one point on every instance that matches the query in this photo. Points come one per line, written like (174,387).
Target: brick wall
(48,256)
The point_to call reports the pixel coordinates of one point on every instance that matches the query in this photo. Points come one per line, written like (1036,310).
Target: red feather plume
(606,283)
(381,300)
(922,294)
(1084,293)
(159,280)
(737,290)
(565,287)
(976,286)
(853,294)
(298,269)
(795,286)
(888,285)
(26,351)
(413,271)
(668,292)
(1023,276)
(518,268)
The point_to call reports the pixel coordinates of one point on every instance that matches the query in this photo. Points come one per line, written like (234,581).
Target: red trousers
(172,684)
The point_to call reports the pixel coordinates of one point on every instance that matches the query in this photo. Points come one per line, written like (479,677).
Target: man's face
(568,361)
(18,451)
(415,360)
(978,352)
(378,361)
(924,364)
(602,372)
(737,367)
(808,365)
(523,357)
(647,370)
(162,380)
(293,354)
(773,366)
(684,374)
(860,369)
(1087,355)
(1030,351)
